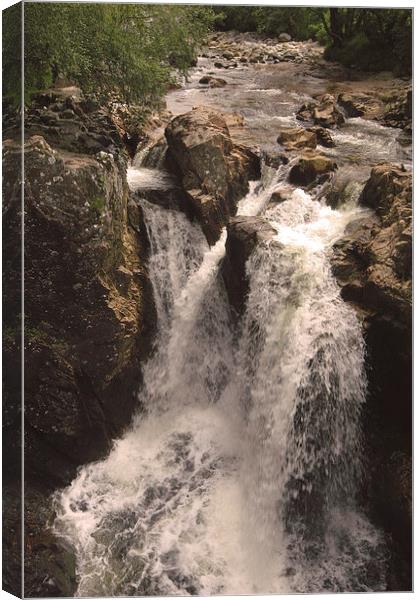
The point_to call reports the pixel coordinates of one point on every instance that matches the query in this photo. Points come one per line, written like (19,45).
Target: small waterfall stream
(240,476)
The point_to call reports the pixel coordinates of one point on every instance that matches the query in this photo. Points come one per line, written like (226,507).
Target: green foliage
(11,48)
(124,49)
(98,205)
(369,38)
(11,337)
(300,23)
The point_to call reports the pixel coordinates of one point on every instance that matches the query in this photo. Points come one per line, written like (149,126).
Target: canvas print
(207,309)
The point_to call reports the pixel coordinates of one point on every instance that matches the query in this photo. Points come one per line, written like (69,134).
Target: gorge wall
(89,313)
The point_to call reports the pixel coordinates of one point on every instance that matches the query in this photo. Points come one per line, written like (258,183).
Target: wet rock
(73,125)
(359,105)
(284,37)
(394,492)
(243,235)
(282,193)
(275,159)
(373,264)
(305,112)
(89,314)
(50,565)
(327,114)
(214,171)
(310,167)
(384,282)
(342,190)
(398,109)
(323,136)
(323,111)
(297,137)
(213,81)
(220,65)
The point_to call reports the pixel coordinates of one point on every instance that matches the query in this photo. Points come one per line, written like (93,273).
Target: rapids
(240,473)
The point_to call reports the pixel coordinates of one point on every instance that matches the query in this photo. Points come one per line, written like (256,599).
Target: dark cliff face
(373,264)
(89,313)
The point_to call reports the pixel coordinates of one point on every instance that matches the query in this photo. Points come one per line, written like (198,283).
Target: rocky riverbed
(252,108)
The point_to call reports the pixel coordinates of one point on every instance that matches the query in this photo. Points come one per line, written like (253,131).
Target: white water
(240,476)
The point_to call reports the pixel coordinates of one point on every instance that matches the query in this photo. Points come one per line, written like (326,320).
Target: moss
(38,336)
(98,204)
(11,336)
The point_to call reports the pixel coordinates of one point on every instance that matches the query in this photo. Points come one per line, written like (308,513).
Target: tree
(128,49)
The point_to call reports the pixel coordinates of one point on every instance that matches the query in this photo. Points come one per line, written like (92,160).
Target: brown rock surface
(89,314)
(373,264)
(310,167)
(214,171)
(323,112)
(297,137)
(383,282)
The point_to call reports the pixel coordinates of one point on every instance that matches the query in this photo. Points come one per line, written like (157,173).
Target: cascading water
(240,475)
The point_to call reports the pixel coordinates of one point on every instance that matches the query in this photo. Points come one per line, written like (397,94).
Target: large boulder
(385,285)
(392,107)
(310,167)
(214,171)
(243,235)
(297,137)
(284,37)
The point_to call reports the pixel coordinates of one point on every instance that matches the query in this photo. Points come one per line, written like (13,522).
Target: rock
(343,189)
(394,493)
(361,105)
(213,81)
(305,112)
(214,171)
(297,137)
(228,55)
(324,112)
(50,565)
(323,136)
(354,105)
(89,312)
(282,193)
(373,265)
(383,284)
(155,156)
(274,159)
(73,125)
(392,108)
(327,114)
(310,167)
(243,235)
(398,113)
(284,37)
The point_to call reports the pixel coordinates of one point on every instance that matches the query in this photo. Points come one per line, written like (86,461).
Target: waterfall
(241,474)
